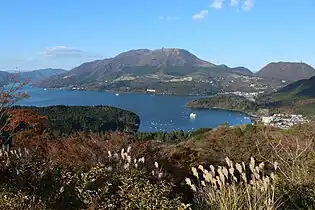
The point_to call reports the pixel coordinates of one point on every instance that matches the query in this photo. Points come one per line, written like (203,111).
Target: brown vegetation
(116,170)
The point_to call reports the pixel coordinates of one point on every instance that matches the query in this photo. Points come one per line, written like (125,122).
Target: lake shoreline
(125,92)
(157,113)
(254,118)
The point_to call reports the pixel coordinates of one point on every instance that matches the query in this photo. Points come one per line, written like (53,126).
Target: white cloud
(168,18)
(57,51)
(201,15)
(217,4)
(235,3)
(51,57)
(248,5)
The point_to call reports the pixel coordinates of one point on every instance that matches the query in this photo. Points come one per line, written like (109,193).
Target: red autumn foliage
(18,116)
(83,149)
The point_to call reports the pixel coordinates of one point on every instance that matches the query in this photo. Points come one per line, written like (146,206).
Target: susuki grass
(122,183)
(128,178)
(234,187)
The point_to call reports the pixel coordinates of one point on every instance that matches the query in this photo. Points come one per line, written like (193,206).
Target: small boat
(192,115)
(45,88)
(117,94)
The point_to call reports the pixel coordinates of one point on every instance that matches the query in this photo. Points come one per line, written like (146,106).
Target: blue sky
(62,34)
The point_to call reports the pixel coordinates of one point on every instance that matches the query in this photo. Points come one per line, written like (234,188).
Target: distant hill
(166,69)
(297,97)
(227,102)
(34,76)
(4,77)
(38,75)
(242,70)
(303,88)
(288,71)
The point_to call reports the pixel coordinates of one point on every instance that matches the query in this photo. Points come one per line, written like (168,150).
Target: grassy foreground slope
(78,172)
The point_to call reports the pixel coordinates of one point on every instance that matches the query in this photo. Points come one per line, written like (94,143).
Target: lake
(157,112)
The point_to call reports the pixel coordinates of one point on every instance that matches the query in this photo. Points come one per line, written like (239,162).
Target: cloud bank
(62,51)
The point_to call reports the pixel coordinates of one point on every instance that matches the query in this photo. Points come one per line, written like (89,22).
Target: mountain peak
(289,71)
(163,49)
(158,58)
(140,67)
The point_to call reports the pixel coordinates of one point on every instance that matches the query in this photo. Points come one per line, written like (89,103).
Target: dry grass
(123,182)
(234,187)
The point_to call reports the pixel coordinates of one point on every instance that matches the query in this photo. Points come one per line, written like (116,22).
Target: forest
(229,102)
(69,119)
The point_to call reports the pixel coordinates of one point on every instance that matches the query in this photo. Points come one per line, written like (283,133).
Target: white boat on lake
(192,116)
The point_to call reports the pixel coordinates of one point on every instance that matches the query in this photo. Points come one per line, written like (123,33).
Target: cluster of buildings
(250,96)
(283,121)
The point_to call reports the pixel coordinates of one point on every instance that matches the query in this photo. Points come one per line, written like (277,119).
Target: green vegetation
(177,88)
(308,109)
(68,119)
(295,98)
(173,137)
(279,102)
(228,102)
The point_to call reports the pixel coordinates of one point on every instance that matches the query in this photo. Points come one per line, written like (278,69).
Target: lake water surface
(157,112)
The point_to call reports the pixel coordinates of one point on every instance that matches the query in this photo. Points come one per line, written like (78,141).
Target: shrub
(29,181)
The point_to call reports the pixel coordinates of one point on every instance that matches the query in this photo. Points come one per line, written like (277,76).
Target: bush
(29,181)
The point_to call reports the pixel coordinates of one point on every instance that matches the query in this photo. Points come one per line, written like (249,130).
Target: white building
(266,120)
(151,90)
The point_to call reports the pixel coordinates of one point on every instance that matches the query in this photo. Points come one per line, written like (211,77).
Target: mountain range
(163,64)
(168,71)
(34,76)
(173,70)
